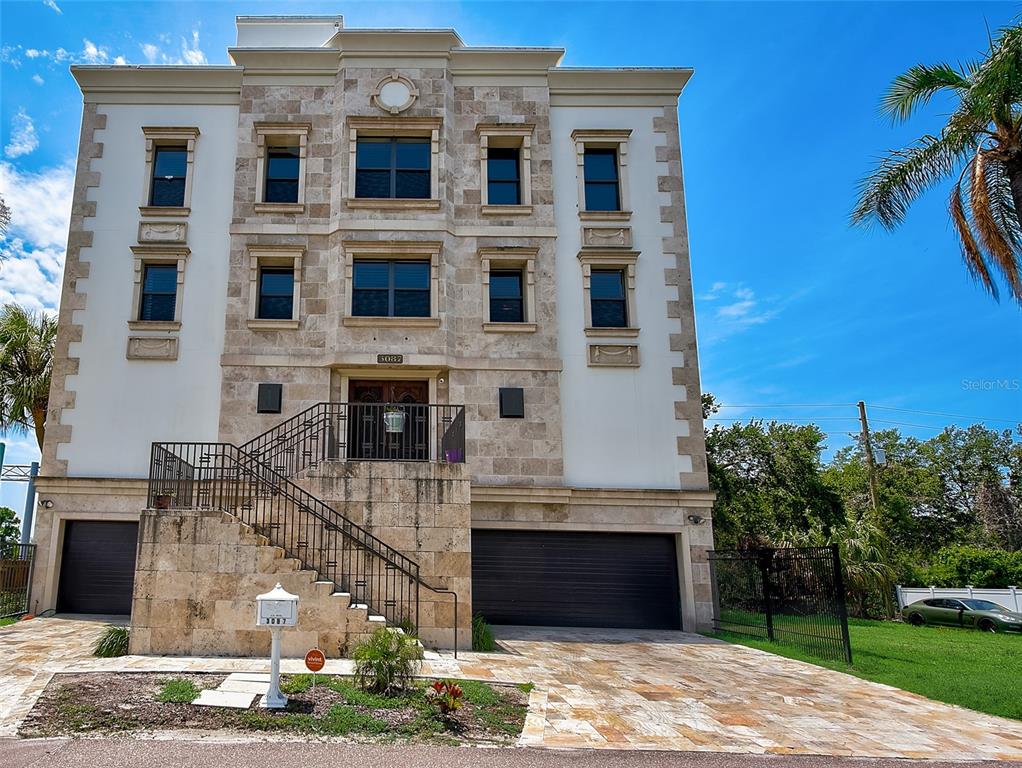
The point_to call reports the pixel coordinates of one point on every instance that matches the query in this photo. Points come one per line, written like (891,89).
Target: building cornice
(158,84)
(285,61)
(617,86)
(638,497)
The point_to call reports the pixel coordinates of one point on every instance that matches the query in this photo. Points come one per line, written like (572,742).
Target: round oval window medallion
(395,93)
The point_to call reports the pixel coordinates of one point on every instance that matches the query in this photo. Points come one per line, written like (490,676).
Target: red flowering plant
(445,695)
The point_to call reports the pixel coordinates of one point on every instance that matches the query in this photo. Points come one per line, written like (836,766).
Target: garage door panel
(97,569)
(562,578)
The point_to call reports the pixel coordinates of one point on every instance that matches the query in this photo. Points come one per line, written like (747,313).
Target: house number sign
(390,359)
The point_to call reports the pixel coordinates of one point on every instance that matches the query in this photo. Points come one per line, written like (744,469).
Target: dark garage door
(555,578)
(97,569)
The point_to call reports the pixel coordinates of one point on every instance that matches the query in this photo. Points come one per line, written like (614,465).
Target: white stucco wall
(619,428)
(122,405)
(286,32)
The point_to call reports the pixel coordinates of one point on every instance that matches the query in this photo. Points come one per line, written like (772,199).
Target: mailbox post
(277,609)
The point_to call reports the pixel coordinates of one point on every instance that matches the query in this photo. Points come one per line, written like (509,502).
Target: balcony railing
(363,432)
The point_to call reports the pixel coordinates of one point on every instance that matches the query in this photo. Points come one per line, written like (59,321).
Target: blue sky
(778,124)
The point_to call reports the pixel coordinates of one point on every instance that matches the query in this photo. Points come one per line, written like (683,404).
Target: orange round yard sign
(314,660)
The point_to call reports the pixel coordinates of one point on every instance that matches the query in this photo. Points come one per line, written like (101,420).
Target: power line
(948,415)
(906,424)
(789,405)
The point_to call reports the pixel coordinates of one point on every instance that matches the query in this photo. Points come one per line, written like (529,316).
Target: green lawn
(11,620)
(973,669)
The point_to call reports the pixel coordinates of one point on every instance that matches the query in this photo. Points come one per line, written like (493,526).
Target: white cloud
(714,293)
(23,135)
(37,80)
(120,61)
(40,204)
(53,5)
(93,54)
(736,308)
(33,251)
(190,53)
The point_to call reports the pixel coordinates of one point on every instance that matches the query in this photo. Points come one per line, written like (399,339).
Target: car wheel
(987,625)
(916,620)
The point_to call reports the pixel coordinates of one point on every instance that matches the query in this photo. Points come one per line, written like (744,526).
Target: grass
(10,620)
(113,642)
(482,636)
(972,669)
(177,691)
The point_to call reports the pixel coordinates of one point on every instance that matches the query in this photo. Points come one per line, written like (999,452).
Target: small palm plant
(980,143)
(386,661)
(113,642)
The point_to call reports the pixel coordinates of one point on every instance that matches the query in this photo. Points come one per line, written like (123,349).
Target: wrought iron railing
(790,595)
(222,476)
(363,432)
(15,578)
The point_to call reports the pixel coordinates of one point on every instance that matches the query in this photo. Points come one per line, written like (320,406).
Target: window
(393,168)
(507,303)
(276,293)
(503,177)
(391,289)
(159,293)
(601,179)
(269,398)
(512,403)
(282,174)
(607,292)
(170,166)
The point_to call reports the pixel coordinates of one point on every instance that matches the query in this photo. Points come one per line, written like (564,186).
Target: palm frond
(986,225)
(1002,204)
(917,86)
(975,262)
(26,366)
(903,175)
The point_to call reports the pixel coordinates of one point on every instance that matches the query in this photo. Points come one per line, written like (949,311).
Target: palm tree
(26,364)
(981,144)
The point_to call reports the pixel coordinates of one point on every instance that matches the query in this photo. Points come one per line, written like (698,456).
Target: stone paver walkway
(617,689)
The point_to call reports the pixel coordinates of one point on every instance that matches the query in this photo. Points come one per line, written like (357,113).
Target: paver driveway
(617,689)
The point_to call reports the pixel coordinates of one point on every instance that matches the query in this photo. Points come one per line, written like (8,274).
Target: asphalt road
(137,753)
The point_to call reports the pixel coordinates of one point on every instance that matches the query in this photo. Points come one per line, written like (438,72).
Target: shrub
(113,642)
(482,635)
(446,696)
(957,566)
(386,661)
(178,691)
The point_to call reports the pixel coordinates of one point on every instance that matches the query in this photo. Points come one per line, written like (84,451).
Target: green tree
(10,527)
(26,365)
(768,480)
(5,216)
(980,145)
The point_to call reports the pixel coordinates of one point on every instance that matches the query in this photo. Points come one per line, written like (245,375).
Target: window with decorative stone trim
(169,166)
(599,268)
(602,153)
(400,138)
(268,270)
(157,294)
(499,265)
(391,253)
(280,185)
(505,172)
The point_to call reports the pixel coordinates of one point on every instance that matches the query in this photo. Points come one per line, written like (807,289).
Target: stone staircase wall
(423,510)
(196,580)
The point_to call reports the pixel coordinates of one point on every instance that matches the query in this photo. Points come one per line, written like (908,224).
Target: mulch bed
(126,703)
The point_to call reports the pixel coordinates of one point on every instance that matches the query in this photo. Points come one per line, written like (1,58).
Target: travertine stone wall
(424,511)
(472,363)
(196,580)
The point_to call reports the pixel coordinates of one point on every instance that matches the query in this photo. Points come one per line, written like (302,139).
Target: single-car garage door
(97,568)
(557,578)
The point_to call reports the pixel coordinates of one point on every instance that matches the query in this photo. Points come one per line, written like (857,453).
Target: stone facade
(196,580)
(424,511)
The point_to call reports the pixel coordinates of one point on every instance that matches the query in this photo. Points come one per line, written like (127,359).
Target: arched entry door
(388,420)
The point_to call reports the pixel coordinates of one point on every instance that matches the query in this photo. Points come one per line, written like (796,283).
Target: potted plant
(393,419)
(164,498)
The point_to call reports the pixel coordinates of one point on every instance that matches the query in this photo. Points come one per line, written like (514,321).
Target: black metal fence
(791,595)
(15,578)
(363,432)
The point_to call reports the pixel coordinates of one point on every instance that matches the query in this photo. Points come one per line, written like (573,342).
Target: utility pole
(867,447)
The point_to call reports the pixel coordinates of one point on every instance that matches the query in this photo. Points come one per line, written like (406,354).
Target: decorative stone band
(163,232)
(152,348)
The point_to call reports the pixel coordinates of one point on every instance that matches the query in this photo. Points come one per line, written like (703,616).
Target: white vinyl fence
(1010,598)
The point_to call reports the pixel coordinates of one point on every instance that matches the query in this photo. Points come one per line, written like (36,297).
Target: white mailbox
(277,608)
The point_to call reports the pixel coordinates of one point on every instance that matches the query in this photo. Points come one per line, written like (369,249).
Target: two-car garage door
(97,567)
(569,579)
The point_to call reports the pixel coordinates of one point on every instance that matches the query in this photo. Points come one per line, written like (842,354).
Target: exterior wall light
(46,503)
(696,519)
